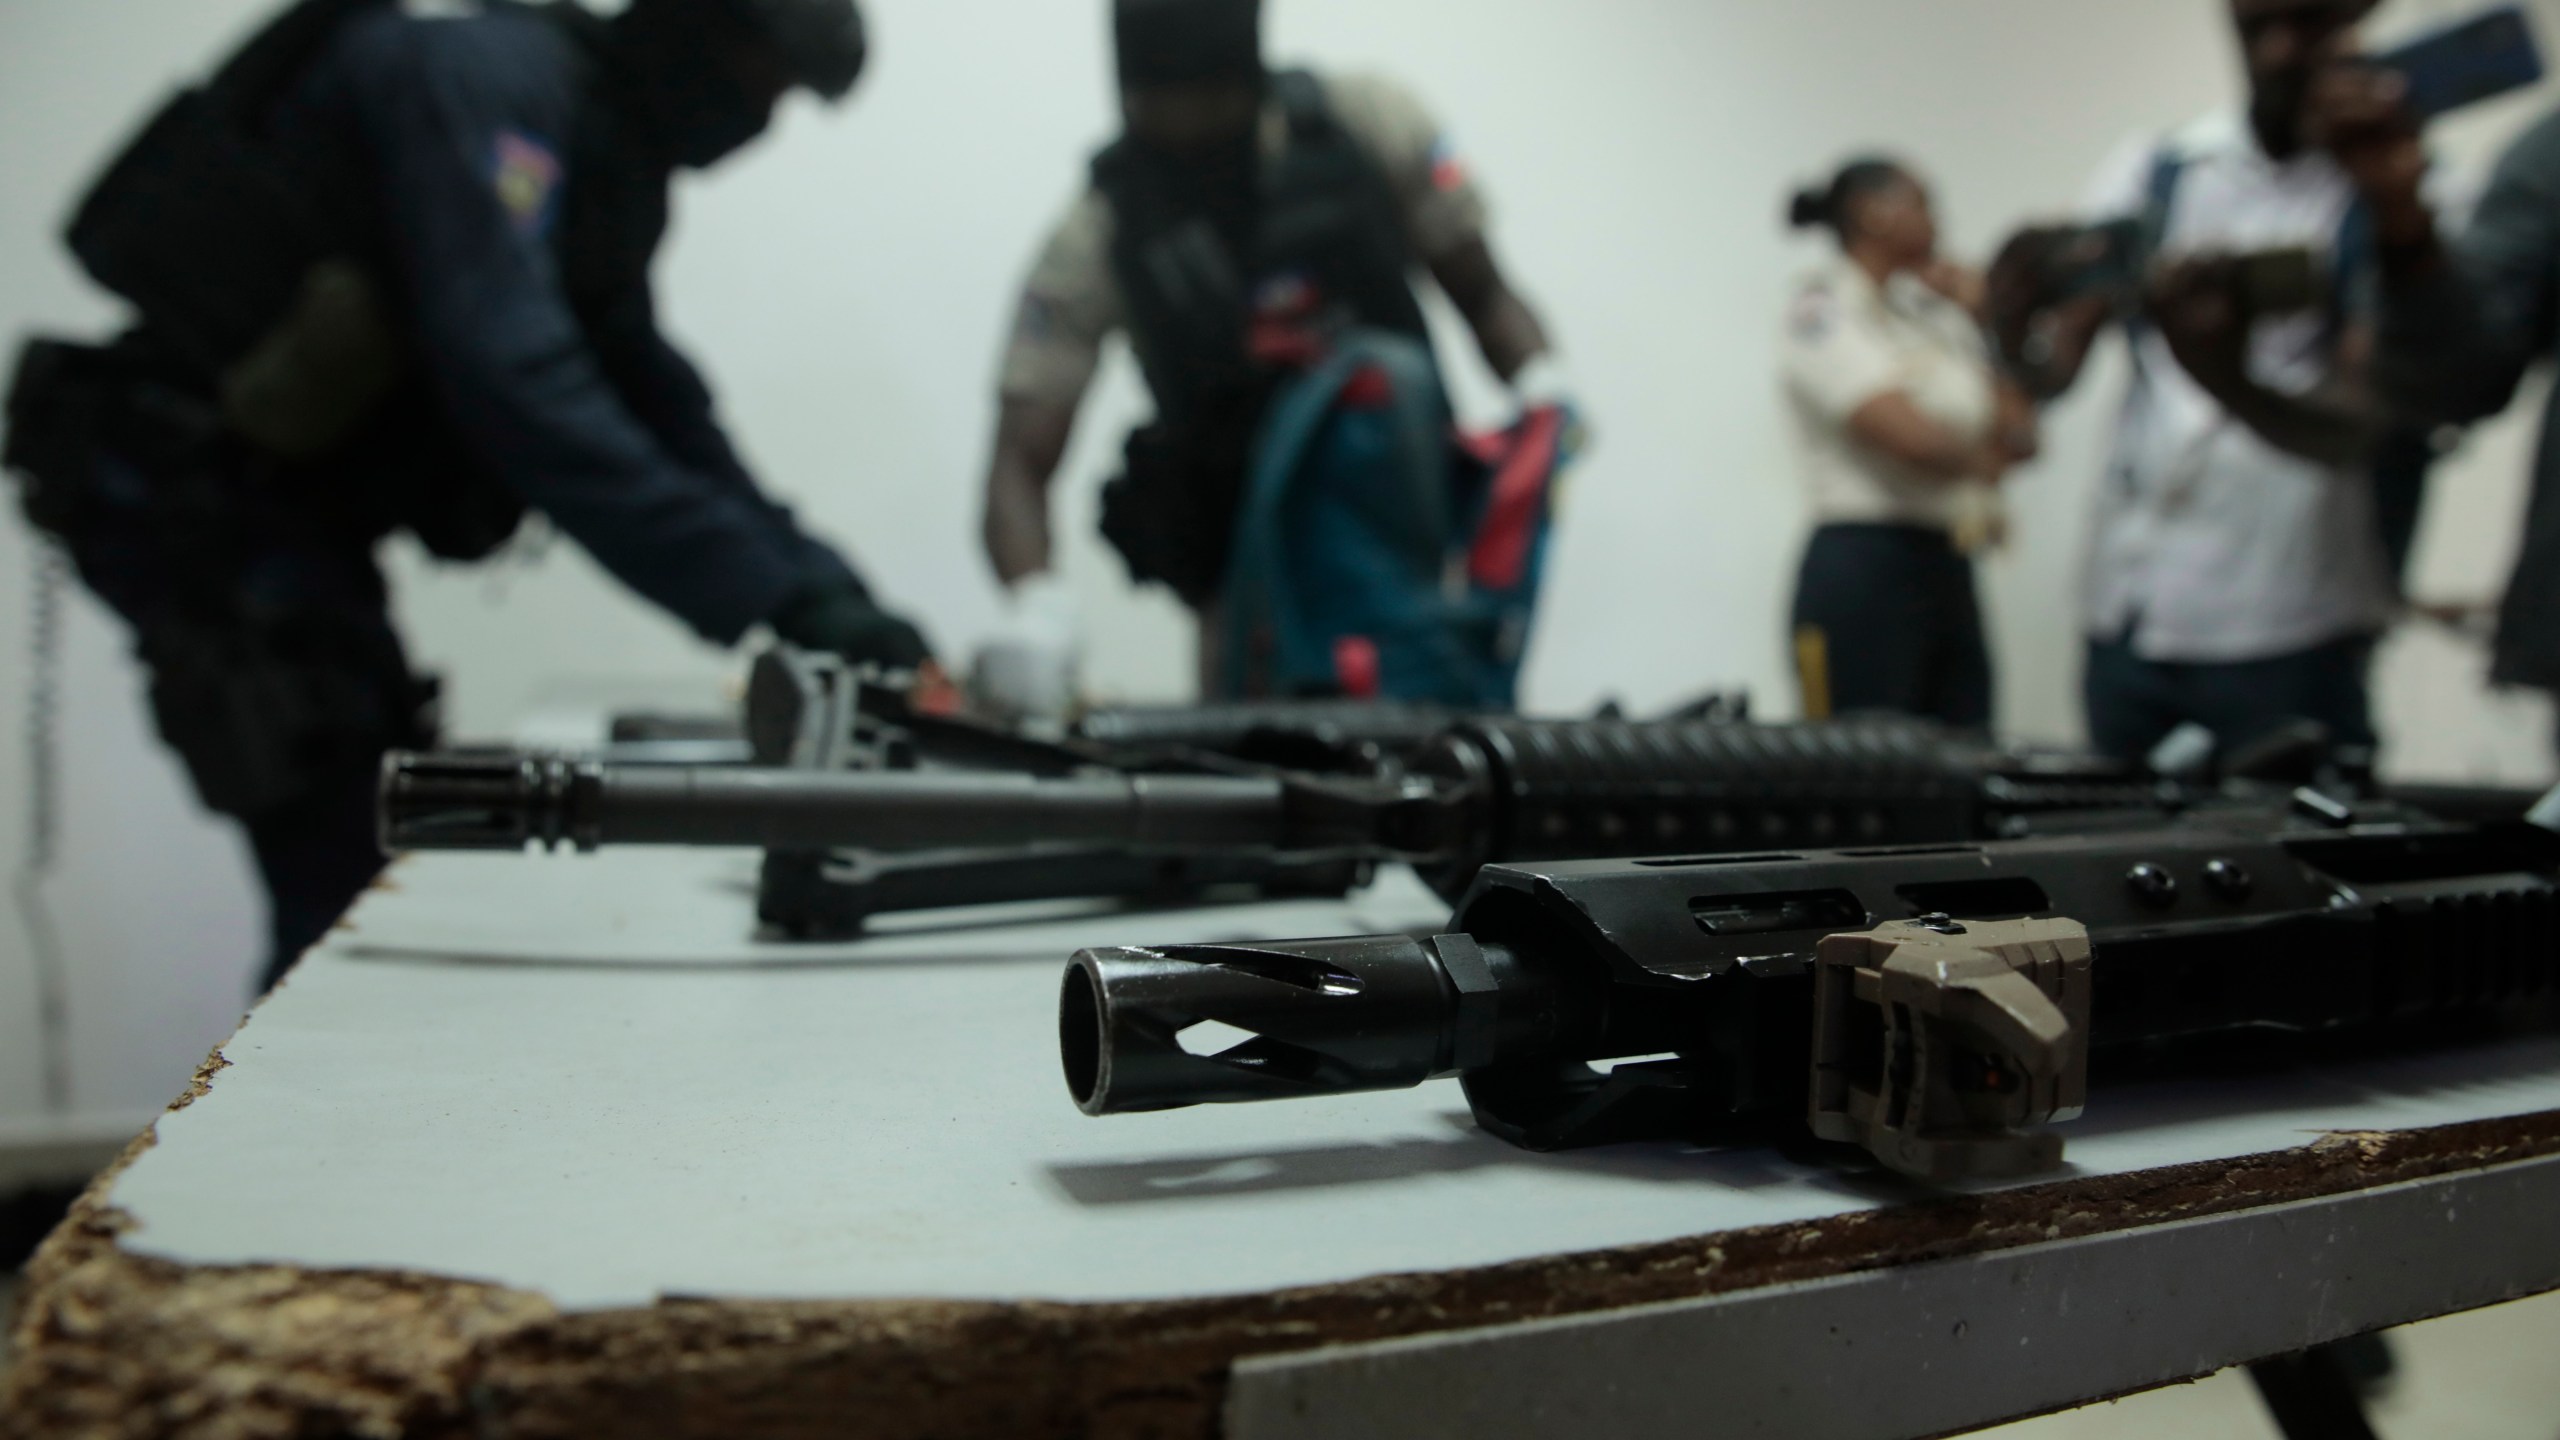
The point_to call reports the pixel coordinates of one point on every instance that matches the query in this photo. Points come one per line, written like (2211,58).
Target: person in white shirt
(2237,575)
(1904,431)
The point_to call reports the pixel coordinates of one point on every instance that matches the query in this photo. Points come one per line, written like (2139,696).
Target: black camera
(2116,259)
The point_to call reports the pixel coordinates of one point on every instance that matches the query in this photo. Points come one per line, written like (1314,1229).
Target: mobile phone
(2486,56)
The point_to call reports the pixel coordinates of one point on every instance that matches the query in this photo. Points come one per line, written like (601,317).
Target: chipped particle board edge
(112,1344)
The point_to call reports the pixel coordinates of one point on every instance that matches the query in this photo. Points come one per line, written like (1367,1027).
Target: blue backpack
(1378,554)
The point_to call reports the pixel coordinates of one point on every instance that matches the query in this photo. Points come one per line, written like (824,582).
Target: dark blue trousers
(1886,620)
(2134,703)
(275,674)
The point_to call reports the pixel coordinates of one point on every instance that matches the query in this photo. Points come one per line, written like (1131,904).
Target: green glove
(842,619)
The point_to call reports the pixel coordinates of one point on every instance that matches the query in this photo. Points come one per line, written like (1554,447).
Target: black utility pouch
(70,405)
(1171,515)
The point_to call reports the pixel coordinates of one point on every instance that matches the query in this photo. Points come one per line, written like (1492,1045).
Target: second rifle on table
(1937,1005)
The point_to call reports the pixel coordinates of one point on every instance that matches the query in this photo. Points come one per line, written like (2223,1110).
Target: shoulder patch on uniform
(525,173)
(1448,172)
(1816,310)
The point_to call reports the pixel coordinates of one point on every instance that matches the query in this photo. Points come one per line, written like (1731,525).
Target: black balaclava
(677,52)
(824,41)
(1199,42)
(1180,42)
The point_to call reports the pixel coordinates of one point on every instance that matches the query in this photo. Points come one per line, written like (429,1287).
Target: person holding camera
(2237,576)
(2464,318)
(1904,432)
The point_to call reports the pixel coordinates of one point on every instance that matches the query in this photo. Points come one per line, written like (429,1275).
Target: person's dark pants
(1886,620)
(2134,703)
(275,673)
(315,855)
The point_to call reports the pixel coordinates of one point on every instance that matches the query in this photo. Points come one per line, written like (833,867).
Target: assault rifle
(1485,790)
(1938,1005)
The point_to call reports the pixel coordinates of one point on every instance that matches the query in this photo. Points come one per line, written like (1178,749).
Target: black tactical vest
(1326,219)
(209,225)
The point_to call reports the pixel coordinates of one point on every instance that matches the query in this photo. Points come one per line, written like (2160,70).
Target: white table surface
(582,1076)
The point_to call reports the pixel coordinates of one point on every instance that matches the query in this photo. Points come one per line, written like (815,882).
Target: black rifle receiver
(814,712)
(1943,1063)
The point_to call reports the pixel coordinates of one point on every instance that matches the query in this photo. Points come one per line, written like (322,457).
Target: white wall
(846,285)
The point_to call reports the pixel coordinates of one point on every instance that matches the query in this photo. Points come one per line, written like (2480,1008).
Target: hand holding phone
(2489,55)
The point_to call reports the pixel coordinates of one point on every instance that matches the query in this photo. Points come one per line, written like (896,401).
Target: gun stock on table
(1937,1005)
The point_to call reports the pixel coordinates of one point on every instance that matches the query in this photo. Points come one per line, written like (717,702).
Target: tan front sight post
(1941,1045)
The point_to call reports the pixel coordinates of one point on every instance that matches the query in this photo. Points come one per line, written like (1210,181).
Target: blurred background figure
(391,270)
(2238,577)
(2464,319)
(1256,233)
(1904,432)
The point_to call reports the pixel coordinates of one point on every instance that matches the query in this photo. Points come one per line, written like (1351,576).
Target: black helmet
(823,39)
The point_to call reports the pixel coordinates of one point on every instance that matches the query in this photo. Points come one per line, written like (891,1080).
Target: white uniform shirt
(2211,545)
(1850,340)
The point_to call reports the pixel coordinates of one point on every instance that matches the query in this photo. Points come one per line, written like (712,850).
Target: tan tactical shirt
(1071,303)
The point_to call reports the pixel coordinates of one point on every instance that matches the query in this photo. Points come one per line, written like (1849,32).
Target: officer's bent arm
(667,394)
(1894,426)
(521,381)
(1030,444)
(1031,440)
(2335,423)
(664,390)
(1507,330)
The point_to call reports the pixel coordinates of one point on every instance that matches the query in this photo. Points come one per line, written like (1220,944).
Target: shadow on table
(1262,1171)
(2266,1080)
(2247,1076)
(2278,1074)
(819,958)
(908,939)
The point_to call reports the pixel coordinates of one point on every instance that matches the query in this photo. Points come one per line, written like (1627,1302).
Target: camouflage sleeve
(1070,305)
(1442,205)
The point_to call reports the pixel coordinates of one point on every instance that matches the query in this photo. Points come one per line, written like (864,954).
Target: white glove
(1028,670)
(1545,381)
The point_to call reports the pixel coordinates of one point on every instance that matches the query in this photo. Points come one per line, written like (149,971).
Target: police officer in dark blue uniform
(391,269)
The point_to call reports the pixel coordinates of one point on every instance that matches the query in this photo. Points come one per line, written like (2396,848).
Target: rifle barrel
(449,802)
